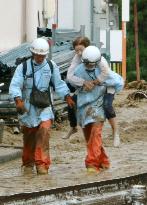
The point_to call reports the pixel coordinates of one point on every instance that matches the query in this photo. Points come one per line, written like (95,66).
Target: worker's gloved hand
(69,101)
(88,85)
(20,106)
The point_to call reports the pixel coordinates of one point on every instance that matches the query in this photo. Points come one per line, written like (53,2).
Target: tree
(142,26)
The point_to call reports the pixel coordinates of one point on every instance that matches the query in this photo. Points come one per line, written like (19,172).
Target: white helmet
(91,54)
(39,46)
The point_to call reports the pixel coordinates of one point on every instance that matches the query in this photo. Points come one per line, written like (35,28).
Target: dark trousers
(72,113)
(108,107)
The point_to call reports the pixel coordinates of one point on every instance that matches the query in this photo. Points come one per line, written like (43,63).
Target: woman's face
(79,49)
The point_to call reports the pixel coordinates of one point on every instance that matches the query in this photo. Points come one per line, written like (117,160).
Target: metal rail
(79,190)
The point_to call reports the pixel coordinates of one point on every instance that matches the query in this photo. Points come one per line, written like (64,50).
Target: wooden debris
(137,95)
(139,85)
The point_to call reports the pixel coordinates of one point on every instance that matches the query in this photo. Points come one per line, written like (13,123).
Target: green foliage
(142,33)
(131,75)
(142,39)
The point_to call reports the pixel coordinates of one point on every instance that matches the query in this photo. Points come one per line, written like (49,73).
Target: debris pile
(137,95)
(139,85)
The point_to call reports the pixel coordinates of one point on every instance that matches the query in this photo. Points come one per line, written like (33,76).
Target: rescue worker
(79,44)
(90,110)
(35,121)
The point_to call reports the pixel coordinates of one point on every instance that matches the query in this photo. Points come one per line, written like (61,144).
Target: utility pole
(136,40)
(125,19)
(124,49)
(92,19)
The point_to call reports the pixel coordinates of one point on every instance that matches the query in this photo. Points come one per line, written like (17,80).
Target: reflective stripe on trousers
(36,145)
(96,155)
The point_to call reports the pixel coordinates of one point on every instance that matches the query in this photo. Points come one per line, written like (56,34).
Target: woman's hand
(88,85)
(96,82)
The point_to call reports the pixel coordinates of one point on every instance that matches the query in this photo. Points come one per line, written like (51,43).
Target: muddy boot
(41,170)
(105,166)
(72,131)
(92,170)
(27,170)
(116,140)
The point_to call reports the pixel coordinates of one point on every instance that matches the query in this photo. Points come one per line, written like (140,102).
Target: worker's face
(39,58)
(90,66)
(79,49)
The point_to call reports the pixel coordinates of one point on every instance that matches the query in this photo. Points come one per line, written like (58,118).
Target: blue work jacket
(21,86)
(90,103)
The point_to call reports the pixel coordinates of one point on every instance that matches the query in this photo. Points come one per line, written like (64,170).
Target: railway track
(112,192)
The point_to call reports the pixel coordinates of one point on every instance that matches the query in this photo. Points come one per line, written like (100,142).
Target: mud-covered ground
(131,117)
(68,155)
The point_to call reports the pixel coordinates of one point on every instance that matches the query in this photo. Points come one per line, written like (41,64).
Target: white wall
(115,44)
(82,15)
(100,17)
(53,19)
(13,22)
(31,20)
(70,14)
(65,14)
(12,15)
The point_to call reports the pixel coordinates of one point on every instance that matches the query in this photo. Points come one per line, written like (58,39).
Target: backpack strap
(52,68)
(50,65)
(24,69)
(51,85)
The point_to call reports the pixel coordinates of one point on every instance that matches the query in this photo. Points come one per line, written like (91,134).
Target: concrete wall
(65,14)
(82,15)
(12,21)
(100,17)
(73,13)
(70,14)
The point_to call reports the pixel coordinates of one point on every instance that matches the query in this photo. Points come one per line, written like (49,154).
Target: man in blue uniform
(90,106)
(35,120)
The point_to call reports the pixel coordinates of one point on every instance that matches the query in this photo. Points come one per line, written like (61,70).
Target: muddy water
(68,169)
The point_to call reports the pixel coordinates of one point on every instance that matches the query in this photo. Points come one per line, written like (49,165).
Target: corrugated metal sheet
(61,54)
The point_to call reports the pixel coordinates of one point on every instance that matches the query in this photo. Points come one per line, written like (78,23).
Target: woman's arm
(104,71)
(74,80)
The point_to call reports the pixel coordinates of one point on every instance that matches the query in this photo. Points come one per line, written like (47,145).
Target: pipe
(31,20)
(49,9)
(92,20)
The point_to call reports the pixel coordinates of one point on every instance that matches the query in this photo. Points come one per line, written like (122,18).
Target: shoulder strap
(50,65)
(51,85)
(24,68)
